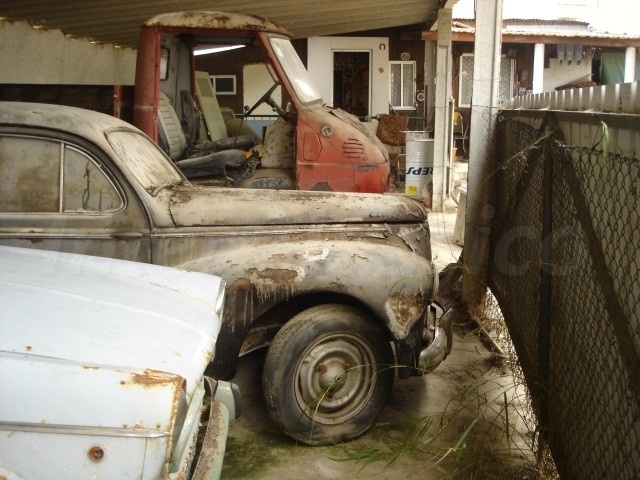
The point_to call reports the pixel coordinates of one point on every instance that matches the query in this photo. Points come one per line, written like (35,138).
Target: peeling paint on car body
(278,251)
(201,206)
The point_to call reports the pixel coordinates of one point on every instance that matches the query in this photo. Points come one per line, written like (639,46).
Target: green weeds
(480,434)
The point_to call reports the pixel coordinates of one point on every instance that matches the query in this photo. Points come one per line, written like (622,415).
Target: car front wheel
(328,374)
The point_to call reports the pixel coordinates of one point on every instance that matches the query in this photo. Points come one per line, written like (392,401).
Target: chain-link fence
(565,273)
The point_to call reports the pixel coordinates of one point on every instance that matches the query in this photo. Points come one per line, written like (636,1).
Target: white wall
(257,81)
(320,66)
(32,56)
(562,73)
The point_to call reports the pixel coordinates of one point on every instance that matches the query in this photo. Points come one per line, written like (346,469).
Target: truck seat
(191,124)
(173,141)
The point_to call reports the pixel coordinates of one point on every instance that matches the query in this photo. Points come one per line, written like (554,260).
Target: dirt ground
(462,421)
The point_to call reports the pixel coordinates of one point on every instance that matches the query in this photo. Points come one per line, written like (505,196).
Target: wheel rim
(335,378)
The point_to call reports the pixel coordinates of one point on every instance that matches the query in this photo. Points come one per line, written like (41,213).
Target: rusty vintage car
(339,285)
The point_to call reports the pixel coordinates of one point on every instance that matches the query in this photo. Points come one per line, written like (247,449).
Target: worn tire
(327,375)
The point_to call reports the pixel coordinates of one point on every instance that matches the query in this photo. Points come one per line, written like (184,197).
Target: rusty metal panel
(191,207)
(201,19)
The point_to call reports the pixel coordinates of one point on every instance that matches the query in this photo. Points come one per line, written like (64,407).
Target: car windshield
(146,162)
(294,69)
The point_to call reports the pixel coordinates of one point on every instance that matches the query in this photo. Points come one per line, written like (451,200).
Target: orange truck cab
(311,146)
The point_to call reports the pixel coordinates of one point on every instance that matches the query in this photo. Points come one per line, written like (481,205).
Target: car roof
(87,123)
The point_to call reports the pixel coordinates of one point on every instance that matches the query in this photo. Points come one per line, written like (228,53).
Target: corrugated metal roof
(573,35)
(537,21)
(555,30)
(118,21)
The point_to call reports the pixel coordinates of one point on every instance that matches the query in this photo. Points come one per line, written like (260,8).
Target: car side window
(85,186)
(41,175)
(30,175)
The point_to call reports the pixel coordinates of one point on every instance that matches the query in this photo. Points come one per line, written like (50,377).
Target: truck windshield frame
(294,69)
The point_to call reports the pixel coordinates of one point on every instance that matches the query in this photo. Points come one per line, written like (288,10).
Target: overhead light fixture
(206,51)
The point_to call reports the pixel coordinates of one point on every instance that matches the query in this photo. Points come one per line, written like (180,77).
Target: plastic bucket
(419,167)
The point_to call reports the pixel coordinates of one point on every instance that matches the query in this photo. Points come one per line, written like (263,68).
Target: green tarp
(612,68)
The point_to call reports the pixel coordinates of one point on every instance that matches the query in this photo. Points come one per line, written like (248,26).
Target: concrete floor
(460,421)
(444,248)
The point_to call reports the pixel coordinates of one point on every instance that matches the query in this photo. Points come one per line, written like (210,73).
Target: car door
(62,193)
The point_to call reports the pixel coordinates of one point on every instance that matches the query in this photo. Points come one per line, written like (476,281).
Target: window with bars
(505,87)
(402,85)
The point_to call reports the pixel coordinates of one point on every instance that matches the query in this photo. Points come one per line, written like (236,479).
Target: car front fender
(394,283)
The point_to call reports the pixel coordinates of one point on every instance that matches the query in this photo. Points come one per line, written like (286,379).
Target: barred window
(402,85)
(465,76)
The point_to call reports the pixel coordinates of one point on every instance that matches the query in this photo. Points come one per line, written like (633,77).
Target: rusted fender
(209,462)
(394,283)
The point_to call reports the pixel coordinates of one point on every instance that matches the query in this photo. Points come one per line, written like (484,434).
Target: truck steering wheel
(266,98)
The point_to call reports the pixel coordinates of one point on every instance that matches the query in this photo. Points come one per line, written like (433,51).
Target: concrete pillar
(484,108)
(538,68)
(630,65)
(441,135)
